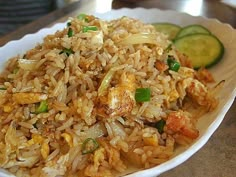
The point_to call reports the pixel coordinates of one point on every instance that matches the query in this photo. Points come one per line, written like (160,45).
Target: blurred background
(15,18)
(15,13)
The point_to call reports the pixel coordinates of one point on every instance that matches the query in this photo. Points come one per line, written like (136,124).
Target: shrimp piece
(184,60)
(29,98)
(198,92)
(161,66)
(204,75)
(120,99)
(179,122)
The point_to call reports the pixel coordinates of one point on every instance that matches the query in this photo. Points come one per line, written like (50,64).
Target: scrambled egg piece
(35,139)
(7,108)
(173,95)
(38,139)
(151,140)
(120,99)
(179,122)
(45,150)
(68,138)
(29,98)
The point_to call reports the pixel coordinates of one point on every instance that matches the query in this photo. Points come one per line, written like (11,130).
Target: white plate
(225,70)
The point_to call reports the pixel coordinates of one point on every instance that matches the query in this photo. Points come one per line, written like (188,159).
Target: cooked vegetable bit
(139,38)
(70,32)
(142,94)
(68,24)
(43,107)
(160,125)
(168,48)
(3,88)
(82,17)
(173,64)
(27,64)
(89,145)
(89,28)
(105,82)
(67,51)
(15,70)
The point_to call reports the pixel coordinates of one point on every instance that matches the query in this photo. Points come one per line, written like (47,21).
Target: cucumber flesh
(203,50)
(192,29)
(167,28)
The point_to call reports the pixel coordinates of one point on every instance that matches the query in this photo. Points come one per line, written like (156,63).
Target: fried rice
(70,107)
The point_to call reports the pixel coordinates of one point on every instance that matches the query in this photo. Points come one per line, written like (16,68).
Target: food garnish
(89,145)
(142,94)
(202,48)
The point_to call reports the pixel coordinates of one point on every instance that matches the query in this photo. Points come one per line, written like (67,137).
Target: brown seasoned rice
(88,82)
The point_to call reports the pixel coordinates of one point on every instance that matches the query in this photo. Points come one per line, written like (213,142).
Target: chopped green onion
(43,107)
(35,125)
(168,48)
(67,51)
(3,88)
(89,28)
(105,82)
(70,32)
(68,24)
(82,17)
(89,145)
(173,64)
(15,70)
(142,94)
(160,125)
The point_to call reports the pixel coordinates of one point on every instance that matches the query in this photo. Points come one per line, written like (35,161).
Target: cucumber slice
(203,50)
(192,29)
(167,28)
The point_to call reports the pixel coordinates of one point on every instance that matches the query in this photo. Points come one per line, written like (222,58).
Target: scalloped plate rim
(180,158)
(122,9)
